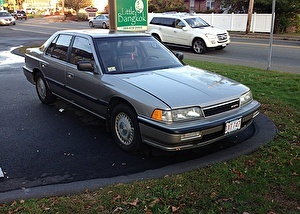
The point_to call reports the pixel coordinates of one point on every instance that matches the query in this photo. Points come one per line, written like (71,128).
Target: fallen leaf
(135,202)
(116,198)
(174,209)
(155,201)
(117,209)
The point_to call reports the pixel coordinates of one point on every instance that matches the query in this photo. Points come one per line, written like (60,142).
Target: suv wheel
(199,46)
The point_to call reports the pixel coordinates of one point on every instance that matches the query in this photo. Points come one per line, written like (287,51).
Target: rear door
(166,28)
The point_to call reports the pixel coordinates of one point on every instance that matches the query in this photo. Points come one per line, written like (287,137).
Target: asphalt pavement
(72,166)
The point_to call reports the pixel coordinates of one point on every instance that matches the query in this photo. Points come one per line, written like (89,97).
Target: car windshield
(196,22)
(3,14)
(134,54)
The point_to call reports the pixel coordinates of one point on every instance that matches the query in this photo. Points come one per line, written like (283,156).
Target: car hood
(210,29)
(187,86)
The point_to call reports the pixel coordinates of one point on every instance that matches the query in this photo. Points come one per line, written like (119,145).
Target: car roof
(174,15)
(100,33)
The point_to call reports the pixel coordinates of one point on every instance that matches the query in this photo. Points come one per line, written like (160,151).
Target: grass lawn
(265,181)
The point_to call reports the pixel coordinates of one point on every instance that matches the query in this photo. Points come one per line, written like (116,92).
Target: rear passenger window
(169,22)
(59,47)
(81,50)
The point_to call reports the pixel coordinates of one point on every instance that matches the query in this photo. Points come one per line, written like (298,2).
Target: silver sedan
(6,18)
(100,21)
(143,90)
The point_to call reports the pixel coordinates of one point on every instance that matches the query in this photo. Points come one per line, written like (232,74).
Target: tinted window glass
(81,50)
(156,21)
(59,47)
(170,22)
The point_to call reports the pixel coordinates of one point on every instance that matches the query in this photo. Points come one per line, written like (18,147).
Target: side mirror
(185,28)
(179,55)
(85,66)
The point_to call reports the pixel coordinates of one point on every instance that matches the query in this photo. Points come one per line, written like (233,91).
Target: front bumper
(194,134)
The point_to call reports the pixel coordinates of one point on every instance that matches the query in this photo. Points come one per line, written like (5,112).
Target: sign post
(129,15)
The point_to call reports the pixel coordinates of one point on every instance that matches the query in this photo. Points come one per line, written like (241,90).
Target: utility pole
(249,20)
(192,6)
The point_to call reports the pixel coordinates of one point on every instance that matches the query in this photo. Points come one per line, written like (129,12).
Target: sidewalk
(284,36)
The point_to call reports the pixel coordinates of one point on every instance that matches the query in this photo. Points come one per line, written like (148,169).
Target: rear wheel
(44,93)
(124,126)
(199,46)
(104,26)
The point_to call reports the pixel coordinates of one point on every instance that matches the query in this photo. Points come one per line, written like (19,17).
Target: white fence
(238,22)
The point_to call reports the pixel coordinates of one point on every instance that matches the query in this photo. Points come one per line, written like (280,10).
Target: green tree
(286,12)
(20,3)
(166,5)
(77,4)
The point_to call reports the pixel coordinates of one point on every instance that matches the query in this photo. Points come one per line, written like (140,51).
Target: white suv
(181,29)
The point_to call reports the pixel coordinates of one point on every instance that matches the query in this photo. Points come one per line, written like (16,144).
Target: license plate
(232,126)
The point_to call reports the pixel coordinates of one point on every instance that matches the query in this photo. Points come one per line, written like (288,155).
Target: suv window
(59,47)
(169,22)
(81,50)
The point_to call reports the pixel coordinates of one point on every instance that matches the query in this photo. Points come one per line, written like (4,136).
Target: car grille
(217,109)
(222,37)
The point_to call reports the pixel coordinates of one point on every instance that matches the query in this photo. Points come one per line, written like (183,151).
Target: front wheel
(91,24)
(124,126)
(199,46)
(104,26)
(44,93)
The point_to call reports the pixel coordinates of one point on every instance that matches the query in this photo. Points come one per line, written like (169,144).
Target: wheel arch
(35,72)
(115,101)
(198,37)
(156,36)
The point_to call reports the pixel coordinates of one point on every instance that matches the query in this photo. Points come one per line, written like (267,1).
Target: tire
(44,93)
(199,46)
(91,24)
(124,126)
(104,26)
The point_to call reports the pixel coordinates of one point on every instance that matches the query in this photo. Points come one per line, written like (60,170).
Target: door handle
(70,75)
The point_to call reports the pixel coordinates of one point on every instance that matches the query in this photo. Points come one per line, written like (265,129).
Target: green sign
(132,15)
(1,3)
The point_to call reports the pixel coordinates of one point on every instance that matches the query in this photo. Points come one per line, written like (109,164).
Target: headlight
(211,36)
(177,114)
(246,98)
